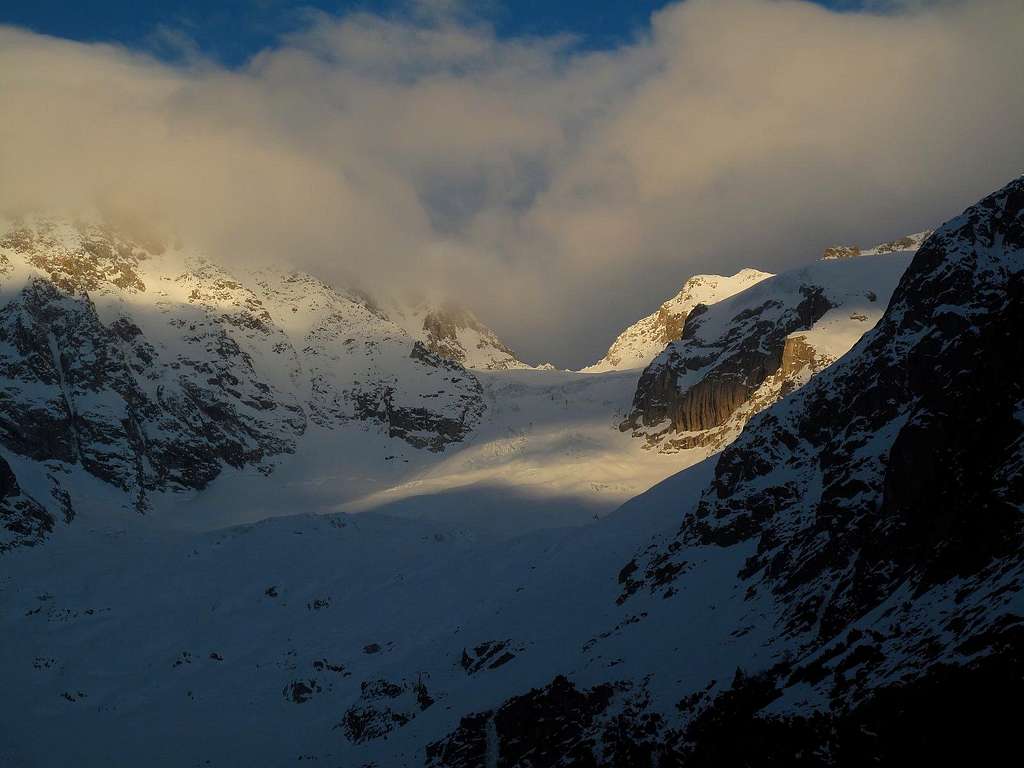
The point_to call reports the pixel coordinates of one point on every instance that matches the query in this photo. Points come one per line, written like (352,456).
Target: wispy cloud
(561,193)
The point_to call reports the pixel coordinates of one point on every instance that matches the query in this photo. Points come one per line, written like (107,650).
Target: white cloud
(560,193)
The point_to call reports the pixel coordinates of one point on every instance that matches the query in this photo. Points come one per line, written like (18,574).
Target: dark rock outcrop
(25,521)
(900,723)
(490,654)
(544,728)
(301,691)
(840,252)
(382,707)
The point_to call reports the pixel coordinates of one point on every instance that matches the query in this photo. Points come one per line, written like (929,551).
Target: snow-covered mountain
(641,342)
(167,375)
(155,369)
(455,333)
(742,353)
(839,585)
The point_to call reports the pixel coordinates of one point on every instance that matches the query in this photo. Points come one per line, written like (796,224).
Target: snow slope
(547,453)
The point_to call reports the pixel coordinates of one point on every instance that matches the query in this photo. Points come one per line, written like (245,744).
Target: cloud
(560,192)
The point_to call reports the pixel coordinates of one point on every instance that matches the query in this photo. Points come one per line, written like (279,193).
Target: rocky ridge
(906,243)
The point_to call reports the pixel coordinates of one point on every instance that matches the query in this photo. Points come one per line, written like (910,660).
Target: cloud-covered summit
(560,192)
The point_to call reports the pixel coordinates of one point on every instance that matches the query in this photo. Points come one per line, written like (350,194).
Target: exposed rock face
(79,391)
(92,257)
(442,327)
(906,243)
(729,368)
(636,346)
(798,356)
(421,426)
(745,352)
(154,371)
(840,252)
(363,367)
(897,723)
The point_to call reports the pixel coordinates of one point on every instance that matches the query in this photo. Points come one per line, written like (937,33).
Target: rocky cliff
(741,354)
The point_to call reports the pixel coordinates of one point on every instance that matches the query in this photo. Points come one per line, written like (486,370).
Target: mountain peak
(454,331)
(641,342)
